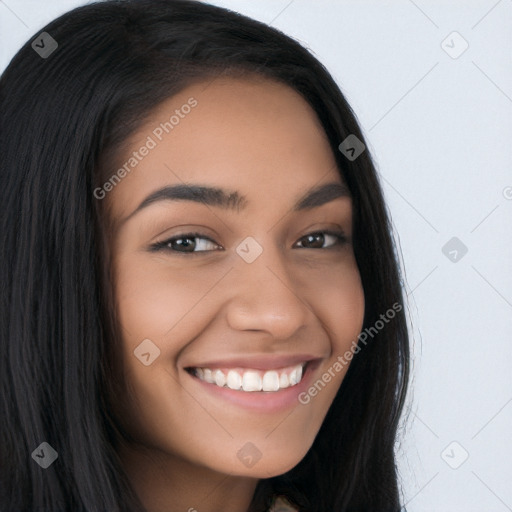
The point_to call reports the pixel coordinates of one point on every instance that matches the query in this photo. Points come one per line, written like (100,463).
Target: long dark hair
(64,117)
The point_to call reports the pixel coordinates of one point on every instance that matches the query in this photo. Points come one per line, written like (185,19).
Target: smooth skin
(198,300)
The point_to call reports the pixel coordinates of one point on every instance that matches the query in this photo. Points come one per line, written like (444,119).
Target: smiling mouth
(251,380)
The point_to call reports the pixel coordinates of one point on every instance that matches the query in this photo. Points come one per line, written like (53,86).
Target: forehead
(254,135)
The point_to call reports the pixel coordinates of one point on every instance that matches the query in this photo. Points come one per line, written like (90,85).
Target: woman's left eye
(190,243)
(318,239)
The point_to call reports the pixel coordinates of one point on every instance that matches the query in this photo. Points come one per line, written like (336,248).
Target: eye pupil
(319,239)
(185,242)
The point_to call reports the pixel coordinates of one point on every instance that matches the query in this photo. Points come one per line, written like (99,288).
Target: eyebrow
(233,200)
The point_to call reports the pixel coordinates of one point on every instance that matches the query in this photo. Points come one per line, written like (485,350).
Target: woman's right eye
(186,243)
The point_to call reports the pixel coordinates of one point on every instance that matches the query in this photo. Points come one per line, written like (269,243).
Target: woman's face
(267,282)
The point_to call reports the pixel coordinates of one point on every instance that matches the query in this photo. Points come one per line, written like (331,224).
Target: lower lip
(262,401)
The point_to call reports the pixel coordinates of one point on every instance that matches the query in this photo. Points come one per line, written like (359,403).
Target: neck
(166,483)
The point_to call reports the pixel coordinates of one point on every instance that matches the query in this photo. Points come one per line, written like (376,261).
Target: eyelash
(164,244)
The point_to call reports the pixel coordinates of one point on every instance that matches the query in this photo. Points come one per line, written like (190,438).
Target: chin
(265,468)
(279,468)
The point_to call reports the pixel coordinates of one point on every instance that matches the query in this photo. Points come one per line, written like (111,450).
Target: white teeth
(295,376)
(270,381)
(252,380)
(234,381)
(220,379)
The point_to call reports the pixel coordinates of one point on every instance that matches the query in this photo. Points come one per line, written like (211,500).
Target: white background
(440,130)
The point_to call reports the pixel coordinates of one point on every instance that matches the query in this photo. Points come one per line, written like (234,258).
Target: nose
(265,296)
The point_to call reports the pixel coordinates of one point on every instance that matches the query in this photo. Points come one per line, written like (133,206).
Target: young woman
(201,305)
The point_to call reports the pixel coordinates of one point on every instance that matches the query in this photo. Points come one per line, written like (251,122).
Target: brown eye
(318,239)
(186,243)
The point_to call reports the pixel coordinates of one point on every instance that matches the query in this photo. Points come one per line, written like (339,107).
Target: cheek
(341,309)
(154,305)
(338,301)
(346,312)
(152,298)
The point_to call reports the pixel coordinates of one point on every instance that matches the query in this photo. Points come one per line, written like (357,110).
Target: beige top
(281,504)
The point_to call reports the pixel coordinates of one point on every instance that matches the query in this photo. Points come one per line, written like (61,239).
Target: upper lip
(261,362)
